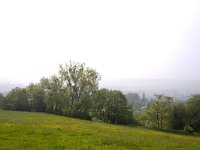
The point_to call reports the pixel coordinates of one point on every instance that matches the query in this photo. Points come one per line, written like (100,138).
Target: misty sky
(154,39)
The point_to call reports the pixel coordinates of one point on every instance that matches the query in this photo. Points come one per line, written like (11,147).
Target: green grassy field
(28,130)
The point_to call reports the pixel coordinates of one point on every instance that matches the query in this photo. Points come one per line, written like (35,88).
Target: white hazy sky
(157,39)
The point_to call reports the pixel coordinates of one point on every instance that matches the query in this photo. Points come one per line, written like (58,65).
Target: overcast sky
(154,39)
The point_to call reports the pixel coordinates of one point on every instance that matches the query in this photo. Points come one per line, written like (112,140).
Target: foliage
(80,82)
(193,111)
(158,110)
(188,129)
(177,116)
(17,99)
(54,94)
(35,94)
(73,92)
(2,99)
(142,117)
(112,106)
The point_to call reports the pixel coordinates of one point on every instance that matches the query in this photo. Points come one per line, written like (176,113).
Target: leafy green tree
(177,116)
(2,99)
(36,95)
(17,100)
(100,100)
(54,97)
(80,83)
(112,106)
(158,110)
(193,111)
(5,103)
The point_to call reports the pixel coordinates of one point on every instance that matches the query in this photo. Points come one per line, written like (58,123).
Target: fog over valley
(179,89)
(136,46)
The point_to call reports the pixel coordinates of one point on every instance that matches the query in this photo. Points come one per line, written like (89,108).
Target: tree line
(165,113)
(74,92)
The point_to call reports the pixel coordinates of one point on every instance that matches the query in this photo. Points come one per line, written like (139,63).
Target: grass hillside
(28,130)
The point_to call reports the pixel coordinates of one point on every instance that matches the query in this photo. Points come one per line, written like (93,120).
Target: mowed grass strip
(29,130)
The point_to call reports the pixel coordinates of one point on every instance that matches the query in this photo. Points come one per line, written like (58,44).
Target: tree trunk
(158,120)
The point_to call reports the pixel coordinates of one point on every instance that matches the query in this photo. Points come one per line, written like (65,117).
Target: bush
(193,112)
(188,129)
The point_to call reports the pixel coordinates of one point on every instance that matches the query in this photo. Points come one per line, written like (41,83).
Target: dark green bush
(188,129)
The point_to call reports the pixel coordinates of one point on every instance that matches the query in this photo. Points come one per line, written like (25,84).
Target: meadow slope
(28,130)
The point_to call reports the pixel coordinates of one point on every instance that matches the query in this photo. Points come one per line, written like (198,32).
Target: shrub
(188,129)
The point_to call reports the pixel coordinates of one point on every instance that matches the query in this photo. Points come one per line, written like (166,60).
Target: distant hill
(179,89)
